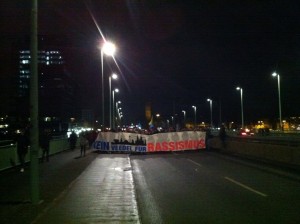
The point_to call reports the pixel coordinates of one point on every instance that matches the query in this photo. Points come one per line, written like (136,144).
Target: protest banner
(133,142)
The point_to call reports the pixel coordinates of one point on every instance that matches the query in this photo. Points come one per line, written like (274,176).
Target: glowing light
(114,76)
(108,48)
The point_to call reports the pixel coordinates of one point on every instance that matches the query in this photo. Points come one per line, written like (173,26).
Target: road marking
(246,187)
(192,161)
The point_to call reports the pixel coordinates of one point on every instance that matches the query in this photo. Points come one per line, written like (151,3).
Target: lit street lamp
(211,120)
(195,120)
(113,76)
(116,109)
(113,98)
(119,111)
(242,109)
(184,114)
(108,49)
(279,98)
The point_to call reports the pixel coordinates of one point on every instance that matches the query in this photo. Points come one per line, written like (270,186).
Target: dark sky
(176,54)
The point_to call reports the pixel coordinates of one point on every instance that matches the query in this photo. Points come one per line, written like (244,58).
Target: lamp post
(211,120)
(114,109)
(34,113)
(195,120)
(108,49)
(279,98)
(113,76)
(121,115)
(113,95)
(184,114)
(242,109)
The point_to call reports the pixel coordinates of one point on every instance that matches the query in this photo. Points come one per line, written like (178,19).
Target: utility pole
(34,112)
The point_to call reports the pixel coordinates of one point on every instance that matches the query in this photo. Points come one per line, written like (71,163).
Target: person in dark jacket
(45,138)
(222,136)
(73,140)
(22,148)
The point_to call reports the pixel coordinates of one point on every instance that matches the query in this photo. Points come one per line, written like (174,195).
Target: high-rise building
(57,87)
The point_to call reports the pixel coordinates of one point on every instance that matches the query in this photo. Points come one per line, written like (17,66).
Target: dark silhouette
(45,138)
(208,136)
(22,148)
(73,140)
(222,136)
(84,143)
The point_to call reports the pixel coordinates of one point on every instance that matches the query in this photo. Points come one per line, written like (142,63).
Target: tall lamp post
(113,95)
(113,76)
(195,119)
(242,109)
(115,109)
(279,98)
(211,120)
(108,49)
(34,113)
(184,115)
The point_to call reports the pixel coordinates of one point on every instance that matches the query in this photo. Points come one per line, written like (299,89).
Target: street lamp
(113,98)
(184,114)
(279,98)
(34,108)
(108,49)
(116,109)
(113,76)
(242,109)
(211,120)
(119,111)
(195,109)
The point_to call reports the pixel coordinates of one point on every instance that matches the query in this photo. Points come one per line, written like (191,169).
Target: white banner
(132,142)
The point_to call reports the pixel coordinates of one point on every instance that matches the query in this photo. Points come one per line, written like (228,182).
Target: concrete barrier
(289,155)
(9,156)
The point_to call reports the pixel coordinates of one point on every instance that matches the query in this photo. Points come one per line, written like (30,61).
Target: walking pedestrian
(73,140)
(222,136)
(208,137)
(83,144)
(45,138)
(22,147)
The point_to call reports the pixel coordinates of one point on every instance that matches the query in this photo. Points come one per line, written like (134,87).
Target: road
(204,187)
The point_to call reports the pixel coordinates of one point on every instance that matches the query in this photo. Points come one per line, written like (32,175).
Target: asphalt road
(203,187)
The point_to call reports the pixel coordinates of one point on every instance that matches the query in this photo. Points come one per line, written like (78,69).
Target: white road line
(198,164)
(246,187)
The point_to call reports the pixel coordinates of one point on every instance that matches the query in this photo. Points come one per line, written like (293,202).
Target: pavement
(96,188)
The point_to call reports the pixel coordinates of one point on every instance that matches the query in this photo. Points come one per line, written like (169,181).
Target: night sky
(176,54)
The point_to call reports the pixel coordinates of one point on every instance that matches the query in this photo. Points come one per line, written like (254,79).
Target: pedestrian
(208,137)
(222,136)
(83,144)
(73,140)
(22,147)
(45,138)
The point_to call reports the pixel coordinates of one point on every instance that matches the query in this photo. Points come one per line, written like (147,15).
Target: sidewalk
(97,188)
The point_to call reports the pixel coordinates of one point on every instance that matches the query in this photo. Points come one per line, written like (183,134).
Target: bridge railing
(285,152)
(9,156)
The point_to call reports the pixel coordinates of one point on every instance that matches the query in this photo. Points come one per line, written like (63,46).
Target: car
(245,132)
